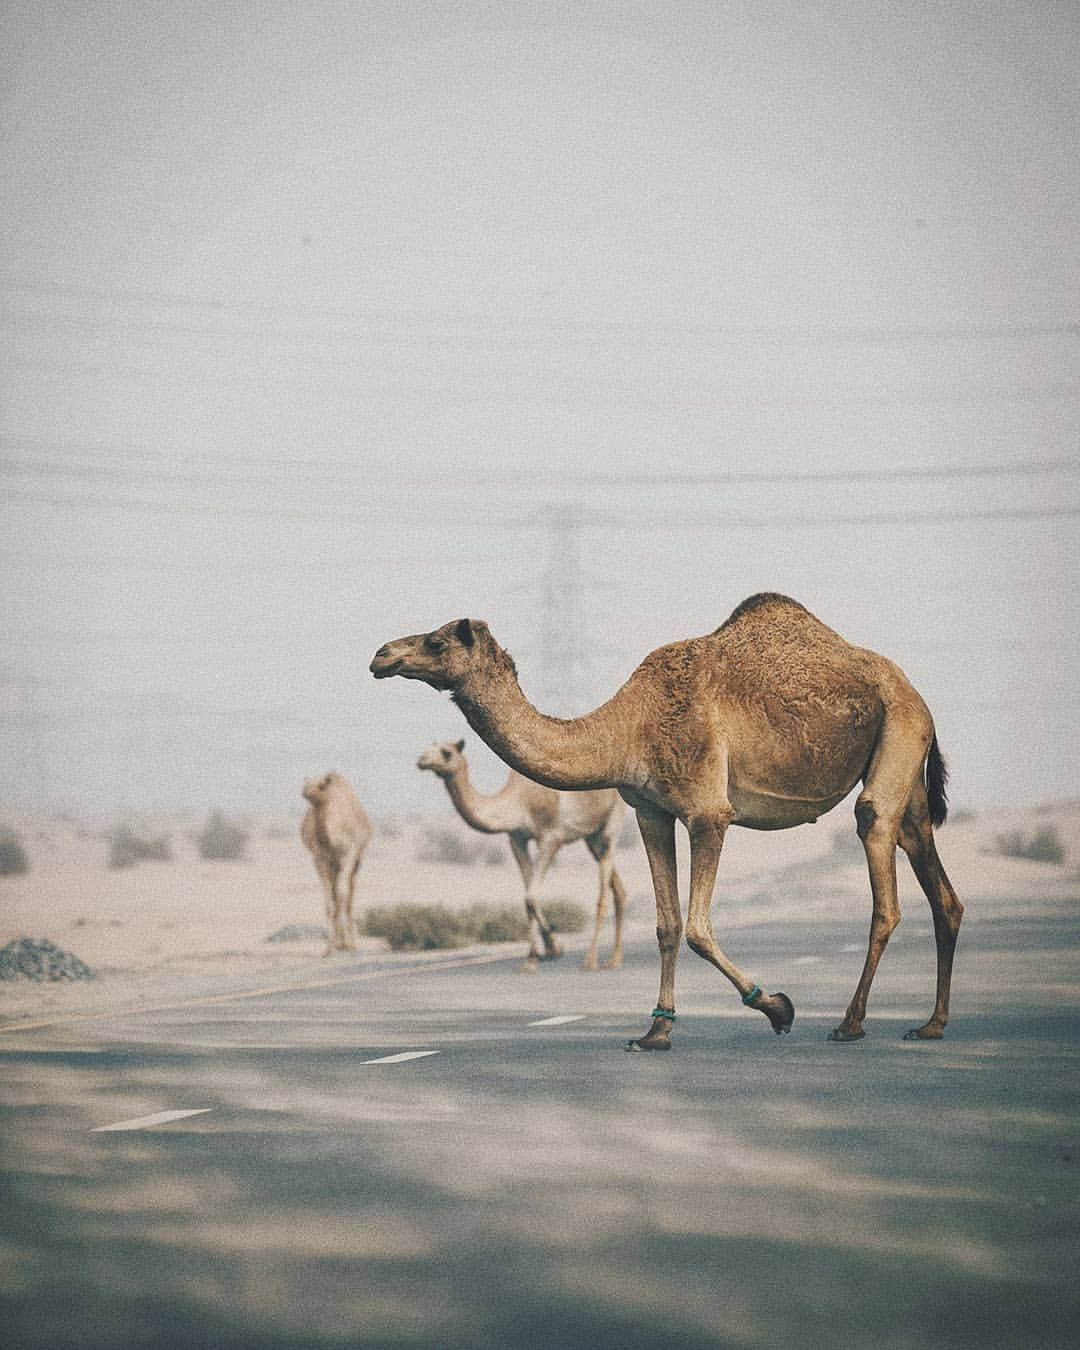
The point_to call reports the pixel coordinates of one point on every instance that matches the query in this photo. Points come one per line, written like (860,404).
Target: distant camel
(525,811)
(337,831)
(767,722)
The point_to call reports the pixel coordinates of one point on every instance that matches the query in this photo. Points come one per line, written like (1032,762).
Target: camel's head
(444,758)
(316,790)
(444,658)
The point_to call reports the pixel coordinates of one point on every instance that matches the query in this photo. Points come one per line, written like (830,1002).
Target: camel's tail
(937,779)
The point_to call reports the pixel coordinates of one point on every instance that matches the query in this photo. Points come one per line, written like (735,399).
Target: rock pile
(39,959)
(298,932)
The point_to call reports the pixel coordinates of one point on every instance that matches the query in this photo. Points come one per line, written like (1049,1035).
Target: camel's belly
(762,811)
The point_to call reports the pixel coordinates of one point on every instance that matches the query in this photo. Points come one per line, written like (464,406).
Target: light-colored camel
(768,722)
(527,812)
(337,831)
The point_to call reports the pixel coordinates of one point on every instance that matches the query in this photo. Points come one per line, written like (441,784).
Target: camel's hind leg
(618,897)
(895,766)
(917,841)
(603,850)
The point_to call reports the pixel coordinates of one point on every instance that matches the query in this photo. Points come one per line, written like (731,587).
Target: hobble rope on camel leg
(658,1037)
(778,1008)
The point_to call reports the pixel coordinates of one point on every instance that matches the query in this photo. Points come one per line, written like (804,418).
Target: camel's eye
(446,755)
(434,644)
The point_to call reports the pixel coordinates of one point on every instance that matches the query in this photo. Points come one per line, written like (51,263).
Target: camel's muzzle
(383,665)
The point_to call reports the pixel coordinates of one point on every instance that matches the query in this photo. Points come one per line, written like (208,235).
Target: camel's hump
(759,601)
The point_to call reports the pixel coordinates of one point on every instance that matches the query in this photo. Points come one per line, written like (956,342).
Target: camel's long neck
(569,754)
(491,815)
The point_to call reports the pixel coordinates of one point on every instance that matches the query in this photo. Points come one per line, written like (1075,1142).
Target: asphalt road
(423,1158)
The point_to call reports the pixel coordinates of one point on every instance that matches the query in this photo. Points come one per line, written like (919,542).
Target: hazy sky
(316,316)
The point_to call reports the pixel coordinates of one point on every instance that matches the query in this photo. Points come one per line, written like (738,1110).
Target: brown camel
(337,831)
(526,811)
(768,722)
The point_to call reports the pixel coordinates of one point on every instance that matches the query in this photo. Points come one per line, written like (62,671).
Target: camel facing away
(526,812)
(767,722)
(337,831)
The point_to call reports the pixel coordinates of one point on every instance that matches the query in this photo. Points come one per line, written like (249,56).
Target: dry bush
(221,840)
(14,860)
(128,846)
(416,927)
(1043,846)
(433,927)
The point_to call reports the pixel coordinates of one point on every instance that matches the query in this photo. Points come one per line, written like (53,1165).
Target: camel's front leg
(658,835)
(326,878)
(349,920)
(334,900)
(343,880)
(706,842)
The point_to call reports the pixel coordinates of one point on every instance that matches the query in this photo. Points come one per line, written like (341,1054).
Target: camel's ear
(460,746)
(464,632)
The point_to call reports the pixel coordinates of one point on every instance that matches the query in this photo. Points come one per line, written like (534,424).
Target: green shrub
(127,847)
(421,928)
(221,840)
(416,928)
(485,924)
(1043,846)
(14,861)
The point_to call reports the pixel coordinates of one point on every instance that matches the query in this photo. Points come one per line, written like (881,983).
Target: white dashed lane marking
(401,1058)
(559,1021)
(145,1122)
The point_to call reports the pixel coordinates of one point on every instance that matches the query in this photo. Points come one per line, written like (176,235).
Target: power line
(46,461)
(819,334)
(39,562)
(488,391)
(608,519)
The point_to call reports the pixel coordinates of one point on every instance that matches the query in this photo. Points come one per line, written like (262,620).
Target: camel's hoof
(841,1036)
(614,964)
(531,966)
(650,1043)
(589,963)
(553,950)
(780,1011)
(930,1032)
